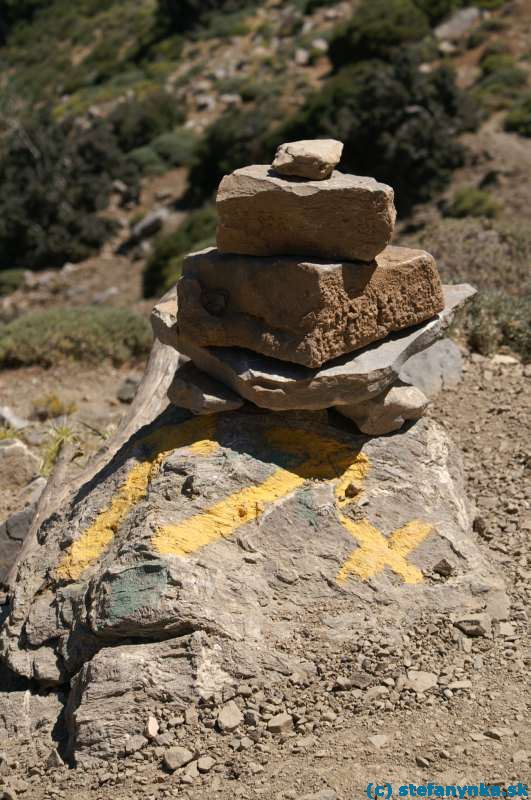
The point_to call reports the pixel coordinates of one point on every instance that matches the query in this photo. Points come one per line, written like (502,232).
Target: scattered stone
(387,412)
(205,763)
(152,728)
(421,681)
(498,733)
(8,419)
(314,159)
(229,717)
(304,312)
(344,217)
(18,465)
(135,743)
(360,680)
(505,629)
(420,761)
(444,568)
(325,794)
(281,723)
(164,319)
(177,757)
(54,760)
(274,384)
(127,391)
(434,369)
(379,740)
(474,625)
(199,393)
(149,225)
(520,757)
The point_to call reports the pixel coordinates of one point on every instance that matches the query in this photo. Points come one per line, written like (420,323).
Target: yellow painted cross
(317,457)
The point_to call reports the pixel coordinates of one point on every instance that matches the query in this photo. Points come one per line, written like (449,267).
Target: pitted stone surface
(344,217)
(279,386)
(301,311)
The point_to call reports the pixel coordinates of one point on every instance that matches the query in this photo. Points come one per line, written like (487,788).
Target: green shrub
(195,233)
(55,179)
(496,319)
(518,120)
(469,201)
(89,334)
(137,122)
(397,124)
(181,16)
(376,29)
(490,254)
(437,10)
(177,148)
(147,161)
(234,140)
(11,280)
(501,80)
(13,12)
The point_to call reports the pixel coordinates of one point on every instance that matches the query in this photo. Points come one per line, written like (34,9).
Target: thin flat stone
(199,393)
(279,386)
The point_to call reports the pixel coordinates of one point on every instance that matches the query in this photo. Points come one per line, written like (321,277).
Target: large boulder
(353,378)
(301,311)
(345,217)
(202,551)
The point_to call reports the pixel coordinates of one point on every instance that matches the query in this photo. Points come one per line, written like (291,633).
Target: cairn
(304,304)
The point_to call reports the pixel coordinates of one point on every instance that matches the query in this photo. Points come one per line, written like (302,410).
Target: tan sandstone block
(301,311)
(344,217)
(315,159)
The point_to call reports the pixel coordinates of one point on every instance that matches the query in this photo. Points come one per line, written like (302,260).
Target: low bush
(518,120)
(235,139)
(490,254)
(397,124)
(89,334)
(496,319)
(176,149)
(50,406)
(469,201)
(137,122)
(147,161)
(56,178)
(181,16)
(11,280)
(164,266)
(12,12)
(501,80)
(376,28)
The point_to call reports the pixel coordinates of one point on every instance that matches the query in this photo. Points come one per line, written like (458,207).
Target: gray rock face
(344,217)
(304,312)
(8,419)
(164,319)
(199,393)
(157,549)
(279,386)
(438,367)
(314,159)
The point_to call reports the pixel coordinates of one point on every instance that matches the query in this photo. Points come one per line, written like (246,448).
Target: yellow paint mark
(376,552)
(97,538)
(324,459)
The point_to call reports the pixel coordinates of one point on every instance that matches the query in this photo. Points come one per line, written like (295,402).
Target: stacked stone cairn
(304,304)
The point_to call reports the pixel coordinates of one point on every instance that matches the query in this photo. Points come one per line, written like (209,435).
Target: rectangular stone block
(301,311)
(344,217)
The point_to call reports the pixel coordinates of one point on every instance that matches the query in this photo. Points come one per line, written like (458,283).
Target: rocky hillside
(119,122)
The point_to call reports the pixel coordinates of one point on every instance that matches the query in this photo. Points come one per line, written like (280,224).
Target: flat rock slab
(304,312)
(203,551)
(389,411)
(279,386)
(344,217)
(434,369)
(199,393)
(314,159)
